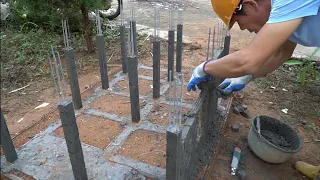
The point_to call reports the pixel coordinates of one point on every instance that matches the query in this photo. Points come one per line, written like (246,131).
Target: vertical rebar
(57,72)
(208,48)
(170,98)
(64,86)
(171,17)
(156,22)
(121,13)
(180,9)
(180,83)
(54,79)
(98,22)
(213,39)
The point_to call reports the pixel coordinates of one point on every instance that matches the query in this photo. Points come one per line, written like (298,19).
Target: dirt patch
(259,104)
(95,131)
(36,129)
(144,86)
(115,104)
(147,72)
(189,97)
(160,114)
(147,61)
(146,146)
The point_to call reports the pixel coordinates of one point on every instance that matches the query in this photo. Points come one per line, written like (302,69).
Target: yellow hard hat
(225,9)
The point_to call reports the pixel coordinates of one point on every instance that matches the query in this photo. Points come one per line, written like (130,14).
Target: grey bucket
(266,150)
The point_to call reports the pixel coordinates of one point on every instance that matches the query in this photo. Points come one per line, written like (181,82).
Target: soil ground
(267,96)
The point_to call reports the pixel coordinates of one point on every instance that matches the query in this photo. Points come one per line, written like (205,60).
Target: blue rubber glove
(230,85)
(198,76)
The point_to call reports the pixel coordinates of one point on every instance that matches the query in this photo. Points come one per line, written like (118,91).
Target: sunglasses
(239,8)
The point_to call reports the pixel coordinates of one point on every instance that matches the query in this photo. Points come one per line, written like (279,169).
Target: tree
(49,13)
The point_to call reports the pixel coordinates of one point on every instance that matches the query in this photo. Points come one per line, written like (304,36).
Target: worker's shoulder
(284,10)
(294,5)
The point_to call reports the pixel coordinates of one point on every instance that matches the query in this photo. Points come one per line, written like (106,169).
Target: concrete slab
(47,158)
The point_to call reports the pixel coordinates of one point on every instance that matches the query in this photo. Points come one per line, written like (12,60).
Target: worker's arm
(253,58)
(230,85)
(277,59)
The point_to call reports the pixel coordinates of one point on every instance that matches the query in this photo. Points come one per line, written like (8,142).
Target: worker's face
(252,16)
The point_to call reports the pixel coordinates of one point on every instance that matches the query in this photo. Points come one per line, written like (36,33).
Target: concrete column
(132,63)
(170,54)
(73,77)
(179,48)
(133,26)
(123,48)
(102,61)
(156,69)
(174,155)
(71,135)
(6,141)
(226,47)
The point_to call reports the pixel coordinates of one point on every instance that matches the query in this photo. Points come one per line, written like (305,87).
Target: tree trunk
(87,29)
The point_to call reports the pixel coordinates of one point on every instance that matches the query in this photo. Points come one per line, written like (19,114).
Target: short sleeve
(285,10)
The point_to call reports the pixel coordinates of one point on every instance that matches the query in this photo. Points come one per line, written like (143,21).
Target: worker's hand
(198,76)
(230,85)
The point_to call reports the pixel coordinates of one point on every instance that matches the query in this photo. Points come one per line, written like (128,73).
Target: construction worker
(279,25)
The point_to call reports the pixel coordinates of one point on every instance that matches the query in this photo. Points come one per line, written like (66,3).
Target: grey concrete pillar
(226,47)
(170,53)
(156,69)
(6,141)
(123,48)
(133,26)
(71,135)
(179,48)
(132,64)
(102,61)
(174,155)
(73,77)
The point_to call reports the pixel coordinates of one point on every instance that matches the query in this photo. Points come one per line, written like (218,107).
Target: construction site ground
(266,96)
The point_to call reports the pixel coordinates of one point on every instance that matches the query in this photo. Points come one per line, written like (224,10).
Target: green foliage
(310,68)
(24,55)
(49,13)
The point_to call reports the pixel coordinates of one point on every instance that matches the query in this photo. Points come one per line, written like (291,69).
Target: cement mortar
(276,139)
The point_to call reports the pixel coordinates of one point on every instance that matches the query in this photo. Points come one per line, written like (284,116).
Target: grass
(24,55)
